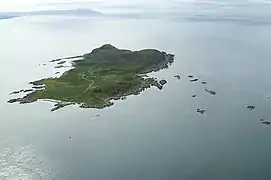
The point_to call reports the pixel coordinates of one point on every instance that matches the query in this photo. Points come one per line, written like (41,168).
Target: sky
(16,5)
(19,5)
(26,5)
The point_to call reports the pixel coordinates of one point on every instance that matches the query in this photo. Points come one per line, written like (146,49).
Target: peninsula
(105,74)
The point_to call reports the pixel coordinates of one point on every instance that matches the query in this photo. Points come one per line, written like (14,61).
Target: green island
(105,74)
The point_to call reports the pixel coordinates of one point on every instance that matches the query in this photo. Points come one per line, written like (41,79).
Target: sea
(157,135)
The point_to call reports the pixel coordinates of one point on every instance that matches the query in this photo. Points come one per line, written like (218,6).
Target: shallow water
(157,135)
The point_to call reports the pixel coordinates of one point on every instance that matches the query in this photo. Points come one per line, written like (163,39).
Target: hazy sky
(15,5)
(10,5)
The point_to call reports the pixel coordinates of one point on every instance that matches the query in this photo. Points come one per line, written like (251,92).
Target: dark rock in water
(26,100)
(268,97)
(156,84)
(251,107)
(163,82)
(55,60)
(123,98)
(203,82)
(160,87)
(190,76)
(194,96)
(58,106)
(57,72)
(178,76)
(14,100)
(15,92)
(44,64)
(194,80)
(61,105)
(38,87)
(201,111)
(22,100)
(138,92)
(70,137)
(61,62)
(266,122)
(210,92)
(60,66)
(28,90)
(169,57)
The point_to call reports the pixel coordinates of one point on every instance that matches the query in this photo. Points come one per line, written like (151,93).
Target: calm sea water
(157,135)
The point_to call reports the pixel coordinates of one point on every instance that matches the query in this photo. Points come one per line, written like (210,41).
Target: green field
(105,74)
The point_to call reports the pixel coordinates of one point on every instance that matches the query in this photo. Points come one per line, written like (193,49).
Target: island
(210,92)
(251,107)
(201,111)
(97,78)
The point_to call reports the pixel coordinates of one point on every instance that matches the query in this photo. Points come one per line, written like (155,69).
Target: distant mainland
(76,12)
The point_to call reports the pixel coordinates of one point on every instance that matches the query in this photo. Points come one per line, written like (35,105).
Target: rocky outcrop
(210,92)
(201,111)
(61,62)
(163,82)
(59,66)
(178,77)
(194,80)
(250,107)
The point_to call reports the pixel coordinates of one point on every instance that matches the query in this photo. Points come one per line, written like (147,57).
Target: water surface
(154,136)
